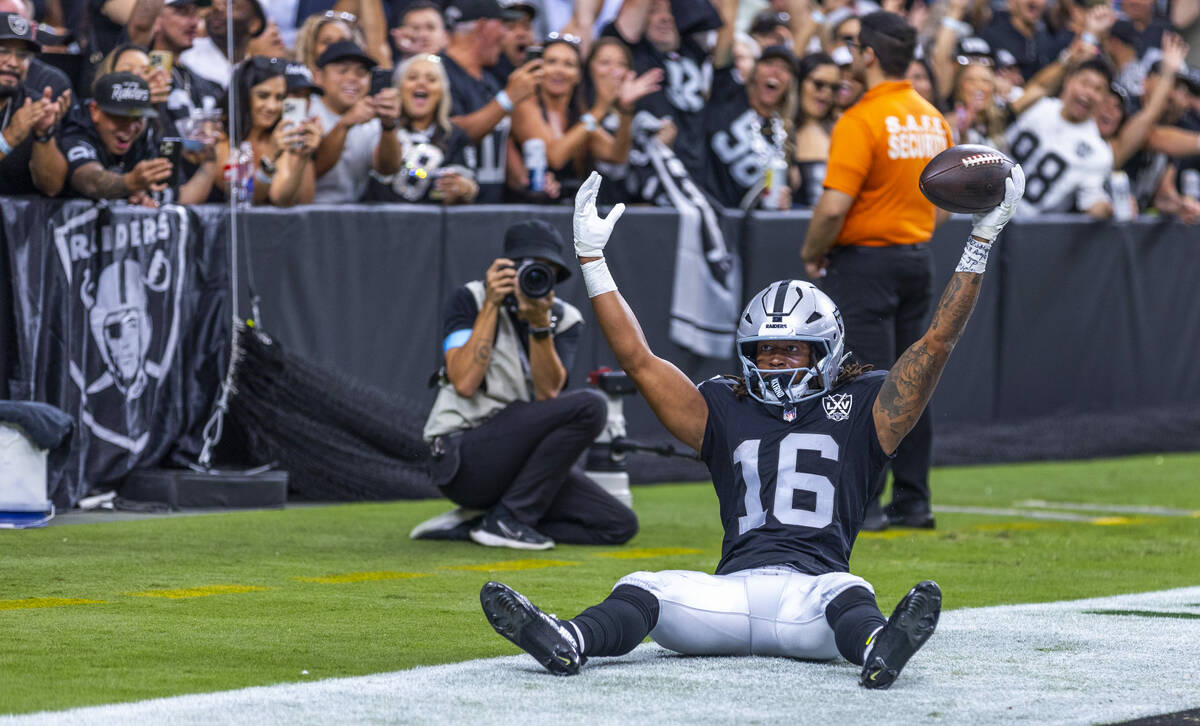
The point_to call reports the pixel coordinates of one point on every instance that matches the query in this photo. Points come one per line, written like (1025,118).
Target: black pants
(886,295)
(522,458)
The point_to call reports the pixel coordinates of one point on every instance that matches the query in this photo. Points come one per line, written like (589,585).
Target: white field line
(1111,508)
(1054,663)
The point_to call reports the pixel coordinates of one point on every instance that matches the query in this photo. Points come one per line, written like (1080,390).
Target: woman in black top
(433,162)
(574,138)
(819,79)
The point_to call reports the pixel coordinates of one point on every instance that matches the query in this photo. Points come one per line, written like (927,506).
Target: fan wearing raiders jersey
(658,39)
(795,446)
(478,104)
(1058,142)
(748,122)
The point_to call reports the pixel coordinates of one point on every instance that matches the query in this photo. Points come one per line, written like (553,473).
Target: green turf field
(124,611)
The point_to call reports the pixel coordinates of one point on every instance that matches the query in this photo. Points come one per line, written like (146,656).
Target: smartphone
(295,110)
(162,59)
(381,78)
(171,148)
(533,52)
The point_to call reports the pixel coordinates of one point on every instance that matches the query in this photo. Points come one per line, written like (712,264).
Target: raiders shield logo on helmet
(837,406)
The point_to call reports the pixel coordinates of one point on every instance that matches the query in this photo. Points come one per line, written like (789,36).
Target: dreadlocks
(848,373)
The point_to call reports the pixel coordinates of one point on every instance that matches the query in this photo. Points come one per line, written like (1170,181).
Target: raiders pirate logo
(130,286)
(837,406)
(420,164)
(18,25)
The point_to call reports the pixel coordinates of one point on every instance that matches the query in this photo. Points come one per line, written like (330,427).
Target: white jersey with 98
(1066,164)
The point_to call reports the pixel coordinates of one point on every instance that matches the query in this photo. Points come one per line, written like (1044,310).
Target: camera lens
(536,279)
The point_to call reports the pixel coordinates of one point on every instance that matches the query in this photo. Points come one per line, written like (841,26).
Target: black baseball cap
(517,9)
(464,11)
(975,48)
(536,238)
(344,50)
(299,78)
(783,53)
(15,27)
(123,94)
(767,21)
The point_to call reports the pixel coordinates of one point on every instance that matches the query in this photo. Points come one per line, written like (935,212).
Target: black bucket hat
(535,238)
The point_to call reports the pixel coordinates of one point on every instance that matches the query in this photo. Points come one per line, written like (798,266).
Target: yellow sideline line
(348,577)
(510,565)
(45,602)
(202,591)
(643,553)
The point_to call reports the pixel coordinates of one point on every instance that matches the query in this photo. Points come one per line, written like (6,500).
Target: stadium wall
(1084,336)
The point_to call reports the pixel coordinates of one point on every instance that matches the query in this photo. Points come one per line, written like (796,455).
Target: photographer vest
(507,379)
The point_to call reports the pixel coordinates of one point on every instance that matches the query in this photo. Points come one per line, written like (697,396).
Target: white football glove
(592,231)
(988,224)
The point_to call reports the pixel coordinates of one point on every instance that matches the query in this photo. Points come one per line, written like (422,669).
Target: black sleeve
(460,312)
(80,150)
(725,85)
(456,146)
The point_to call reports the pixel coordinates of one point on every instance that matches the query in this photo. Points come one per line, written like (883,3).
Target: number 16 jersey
(792,493)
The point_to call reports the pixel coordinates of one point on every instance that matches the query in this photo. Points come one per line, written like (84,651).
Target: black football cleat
(911,624)
(533,631)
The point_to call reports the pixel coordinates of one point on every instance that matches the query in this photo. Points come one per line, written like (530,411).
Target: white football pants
(772,611)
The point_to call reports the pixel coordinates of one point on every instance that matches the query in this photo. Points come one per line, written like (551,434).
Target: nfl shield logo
(789,414)
(837,406)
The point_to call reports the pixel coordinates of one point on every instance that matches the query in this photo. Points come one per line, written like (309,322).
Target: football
(966,179)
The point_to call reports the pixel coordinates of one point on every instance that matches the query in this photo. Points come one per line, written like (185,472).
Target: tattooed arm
(467,365)
(910,383)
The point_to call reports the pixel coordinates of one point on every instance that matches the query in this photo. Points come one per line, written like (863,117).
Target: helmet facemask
(791,310)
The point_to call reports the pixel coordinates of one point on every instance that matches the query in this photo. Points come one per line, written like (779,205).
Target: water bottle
(1189,183)
(776,183)
(534,151)
(245,175)
(1121,198)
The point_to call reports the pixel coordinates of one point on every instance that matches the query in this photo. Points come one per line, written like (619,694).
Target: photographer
(504,435)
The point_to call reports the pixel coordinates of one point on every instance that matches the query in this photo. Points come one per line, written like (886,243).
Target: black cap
(178,3)
(124,94)
(299,78)
(767,21)
(344,50)
(15,27)
(974,48)
(782,52)
(464,11)
(517,9)
(535,238)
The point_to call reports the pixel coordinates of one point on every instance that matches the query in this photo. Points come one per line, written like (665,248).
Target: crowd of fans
(487,101)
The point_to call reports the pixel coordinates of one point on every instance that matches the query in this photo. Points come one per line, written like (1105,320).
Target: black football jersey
(792,493)
(732,166)
(467,95)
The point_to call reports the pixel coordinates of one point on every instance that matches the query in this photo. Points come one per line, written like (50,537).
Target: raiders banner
(122,322)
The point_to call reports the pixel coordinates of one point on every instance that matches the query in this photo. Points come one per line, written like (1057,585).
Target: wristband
(961,29)
(4,147)
(1089,38)
(505,102)
(974,257)
(541,333)
(44,139)
(261,176)
(597,279)
(589,122)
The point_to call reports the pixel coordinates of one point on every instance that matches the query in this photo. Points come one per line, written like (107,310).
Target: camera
(535,278)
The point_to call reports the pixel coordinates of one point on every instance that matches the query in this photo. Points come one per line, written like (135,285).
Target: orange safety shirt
(877,152)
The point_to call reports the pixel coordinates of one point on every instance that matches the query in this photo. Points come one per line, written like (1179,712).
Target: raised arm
(631,20)
(910,383)
(722,55)
(675,400)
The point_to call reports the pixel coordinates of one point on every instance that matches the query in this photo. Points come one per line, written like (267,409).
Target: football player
(795,446)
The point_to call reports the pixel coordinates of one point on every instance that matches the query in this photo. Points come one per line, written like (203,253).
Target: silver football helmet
(791,310)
